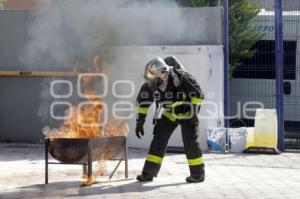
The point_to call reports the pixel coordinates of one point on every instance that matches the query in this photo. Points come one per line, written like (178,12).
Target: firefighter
(174,90)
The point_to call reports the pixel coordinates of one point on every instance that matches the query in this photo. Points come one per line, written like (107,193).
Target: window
(262,64)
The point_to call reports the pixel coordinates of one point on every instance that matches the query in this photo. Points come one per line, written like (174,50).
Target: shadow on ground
(72,189)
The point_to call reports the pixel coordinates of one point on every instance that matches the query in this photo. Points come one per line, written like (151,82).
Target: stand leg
(126,158)
(112,174)
(46,160)
(90,169)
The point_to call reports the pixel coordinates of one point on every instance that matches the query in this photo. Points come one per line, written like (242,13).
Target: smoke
(71,31)
(46,99)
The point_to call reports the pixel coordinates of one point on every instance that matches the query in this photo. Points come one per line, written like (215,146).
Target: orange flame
(83,121)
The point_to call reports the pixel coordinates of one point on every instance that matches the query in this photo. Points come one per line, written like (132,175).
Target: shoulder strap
(176,79)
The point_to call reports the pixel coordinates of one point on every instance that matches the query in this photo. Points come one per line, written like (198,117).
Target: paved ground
(228,176)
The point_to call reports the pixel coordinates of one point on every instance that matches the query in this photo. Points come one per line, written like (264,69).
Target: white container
(265,128)
(237,139)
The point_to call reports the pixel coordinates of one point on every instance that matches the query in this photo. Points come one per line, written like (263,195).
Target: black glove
(139,130)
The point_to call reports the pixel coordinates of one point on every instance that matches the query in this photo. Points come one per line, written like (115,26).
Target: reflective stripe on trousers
(154,158)
(196,161)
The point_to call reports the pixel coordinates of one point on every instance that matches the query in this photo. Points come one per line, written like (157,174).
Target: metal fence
(261,80)
(291,54)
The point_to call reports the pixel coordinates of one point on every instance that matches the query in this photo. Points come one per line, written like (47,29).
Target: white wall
(22,101)
(205,63)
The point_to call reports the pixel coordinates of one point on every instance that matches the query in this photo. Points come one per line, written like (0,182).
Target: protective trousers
(162,132)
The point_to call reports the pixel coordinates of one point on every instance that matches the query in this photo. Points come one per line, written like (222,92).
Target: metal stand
(125,158)
(87,167)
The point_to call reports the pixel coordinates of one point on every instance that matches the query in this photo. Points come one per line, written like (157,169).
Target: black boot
(194,179)
(144,177)
(198,178)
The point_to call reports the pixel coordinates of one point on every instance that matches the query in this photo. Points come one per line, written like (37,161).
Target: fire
(88,181)
(84,120)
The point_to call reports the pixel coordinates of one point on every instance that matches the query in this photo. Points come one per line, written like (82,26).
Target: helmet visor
(149,76)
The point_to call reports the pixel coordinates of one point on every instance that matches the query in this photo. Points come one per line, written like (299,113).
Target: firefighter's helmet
(156,68)
(156,71)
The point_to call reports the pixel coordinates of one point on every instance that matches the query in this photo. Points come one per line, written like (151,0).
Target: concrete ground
(228,176)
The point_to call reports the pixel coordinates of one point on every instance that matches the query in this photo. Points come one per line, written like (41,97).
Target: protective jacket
(178,101)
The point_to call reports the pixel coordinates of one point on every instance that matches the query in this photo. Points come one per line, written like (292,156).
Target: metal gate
(291,37)
(253,82)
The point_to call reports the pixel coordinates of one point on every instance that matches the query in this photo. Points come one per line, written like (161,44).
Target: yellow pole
(38,73)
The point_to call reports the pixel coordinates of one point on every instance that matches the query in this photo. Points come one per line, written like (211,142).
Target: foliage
(242,35)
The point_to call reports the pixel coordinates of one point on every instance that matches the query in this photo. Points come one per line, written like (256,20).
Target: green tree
(2,2)
(199,3)
(202,3)
(242,35)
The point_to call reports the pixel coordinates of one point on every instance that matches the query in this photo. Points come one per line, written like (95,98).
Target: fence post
(279,72)
(226,63)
